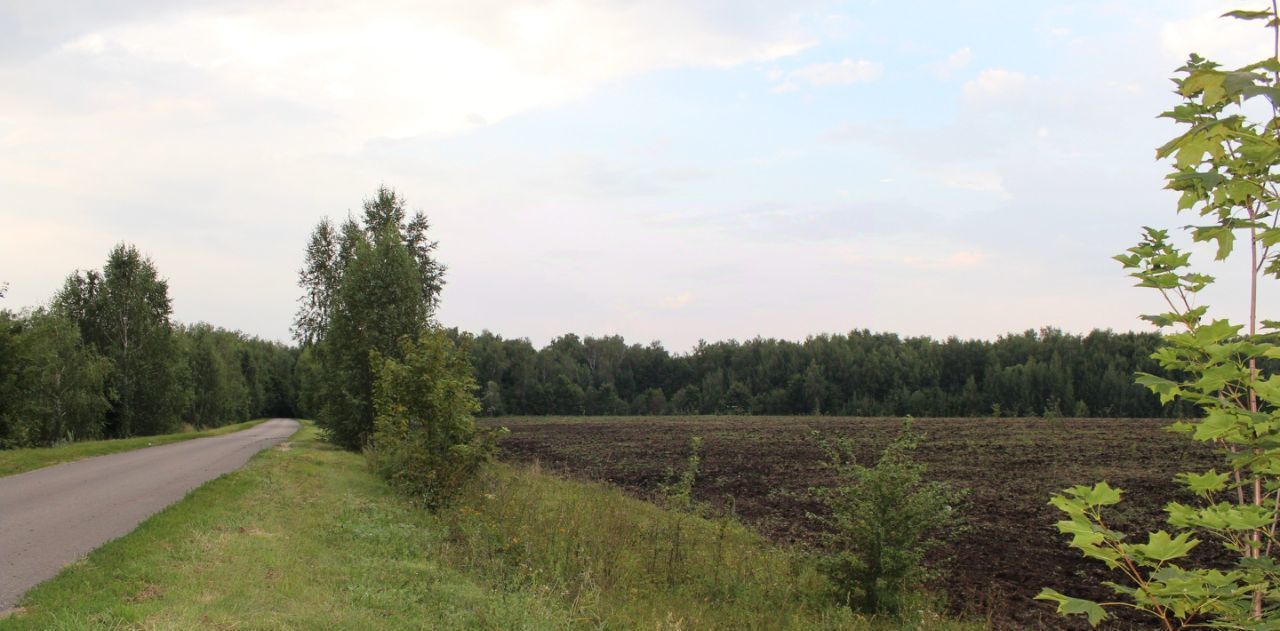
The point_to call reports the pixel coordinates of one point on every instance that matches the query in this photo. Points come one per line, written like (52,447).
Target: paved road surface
(52,516)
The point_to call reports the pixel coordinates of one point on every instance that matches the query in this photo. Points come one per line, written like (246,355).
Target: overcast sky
(667,171)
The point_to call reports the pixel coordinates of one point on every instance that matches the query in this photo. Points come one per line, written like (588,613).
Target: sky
(663,170)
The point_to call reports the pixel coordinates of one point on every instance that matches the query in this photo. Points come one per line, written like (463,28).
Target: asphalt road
(53,516)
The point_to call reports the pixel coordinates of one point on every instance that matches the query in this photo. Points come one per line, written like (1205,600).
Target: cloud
(995,84)
(958,60)
(788,221)
(1225,40)
(975,180)
(226,129)
(541,134)
(964,259)
(678,301)
(845,72)
(398,70)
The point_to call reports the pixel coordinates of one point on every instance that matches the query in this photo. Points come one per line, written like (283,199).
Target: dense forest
(105,360)
(861,373)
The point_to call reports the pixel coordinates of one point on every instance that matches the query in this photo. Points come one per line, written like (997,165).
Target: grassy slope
(305,537)
(21,460)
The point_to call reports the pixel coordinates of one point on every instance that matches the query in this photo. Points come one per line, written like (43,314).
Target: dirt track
(53,516)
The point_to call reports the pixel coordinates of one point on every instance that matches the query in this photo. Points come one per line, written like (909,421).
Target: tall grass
(306,537)
(623,563)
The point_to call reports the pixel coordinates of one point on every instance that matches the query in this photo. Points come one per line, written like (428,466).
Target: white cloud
(975,180)
(958,60)
(1225,40)
(678,301)
(401,70)
(964,259)
(215,139)
(223,133)
(844,72)
(916,252)
(995,84)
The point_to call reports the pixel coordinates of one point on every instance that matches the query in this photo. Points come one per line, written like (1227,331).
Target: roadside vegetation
(305,536)
(104,360)
(14,461)
(388,381)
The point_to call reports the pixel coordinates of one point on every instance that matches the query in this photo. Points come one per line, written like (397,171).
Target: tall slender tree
(319,280)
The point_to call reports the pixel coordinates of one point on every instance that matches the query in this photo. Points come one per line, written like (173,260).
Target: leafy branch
(1224,166)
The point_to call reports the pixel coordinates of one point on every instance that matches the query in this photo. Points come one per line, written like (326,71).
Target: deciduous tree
(123,313)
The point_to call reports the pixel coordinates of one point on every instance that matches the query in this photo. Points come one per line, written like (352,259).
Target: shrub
(677,495)
(883,519)
(425,440)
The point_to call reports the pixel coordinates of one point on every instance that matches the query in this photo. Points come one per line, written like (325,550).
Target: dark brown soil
(1007,552)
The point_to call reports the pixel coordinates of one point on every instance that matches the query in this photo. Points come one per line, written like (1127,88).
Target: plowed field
(1008,551)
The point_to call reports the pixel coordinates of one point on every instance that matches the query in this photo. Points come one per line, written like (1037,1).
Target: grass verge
(14,461)
(305,537)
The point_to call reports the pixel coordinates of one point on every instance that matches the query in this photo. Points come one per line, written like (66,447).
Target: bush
(883,520)
(425,440)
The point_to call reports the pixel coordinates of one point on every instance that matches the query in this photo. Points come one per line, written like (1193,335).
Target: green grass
(304,537)
(622,563)
(21,460)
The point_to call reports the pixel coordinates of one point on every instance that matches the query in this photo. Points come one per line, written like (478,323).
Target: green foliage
(319,279)
(233,377)
(1224,167)
(54,390)
(378,305)
(426,442)
(306,538)
(10,385)
(106,361)
(857,373)
(882,520)
(366,286)
(64,381)
(219,392)
(610,556)
(677,495)
(123,314)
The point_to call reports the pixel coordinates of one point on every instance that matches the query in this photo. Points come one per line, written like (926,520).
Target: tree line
(372,282)
(1045,372)
(105,360)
